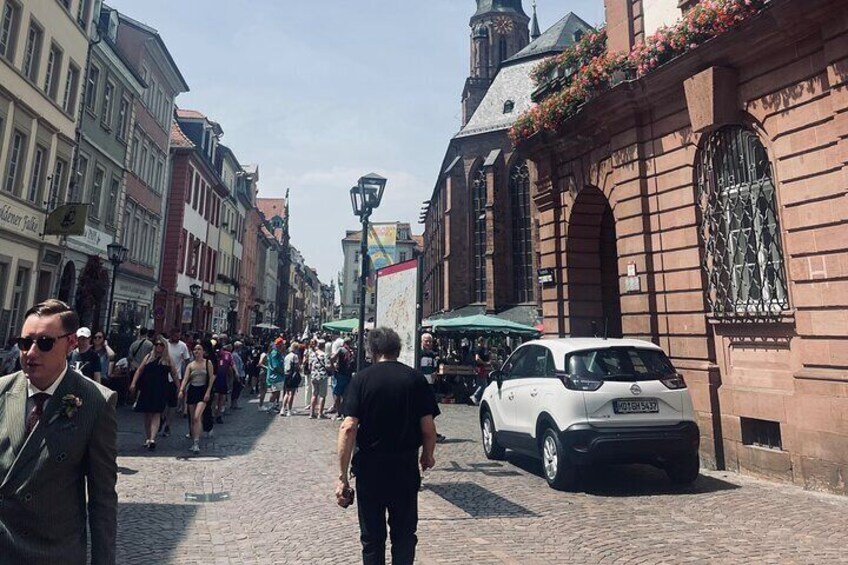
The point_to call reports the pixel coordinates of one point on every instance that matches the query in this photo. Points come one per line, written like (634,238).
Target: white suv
(579,401)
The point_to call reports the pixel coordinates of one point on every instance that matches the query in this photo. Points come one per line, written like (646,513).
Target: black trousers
(387,484)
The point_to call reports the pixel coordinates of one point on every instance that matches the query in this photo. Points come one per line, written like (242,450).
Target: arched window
(479,191)
(522,247)
(740,230)
(503,50)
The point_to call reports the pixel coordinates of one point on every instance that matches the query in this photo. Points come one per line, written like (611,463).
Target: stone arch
(594,299)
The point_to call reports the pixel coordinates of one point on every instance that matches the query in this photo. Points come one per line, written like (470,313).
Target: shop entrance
(593,297)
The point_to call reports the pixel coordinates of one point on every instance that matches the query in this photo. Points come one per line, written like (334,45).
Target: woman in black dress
(151,378)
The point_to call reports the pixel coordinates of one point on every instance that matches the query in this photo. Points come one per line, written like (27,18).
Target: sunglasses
(98,337)
(44,342)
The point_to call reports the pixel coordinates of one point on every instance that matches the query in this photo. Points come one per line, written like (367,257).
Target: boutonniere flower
(68,408)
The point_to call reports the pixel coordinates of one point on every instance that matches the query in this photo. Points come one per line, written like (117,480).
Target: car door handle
(534,393)
(511,396)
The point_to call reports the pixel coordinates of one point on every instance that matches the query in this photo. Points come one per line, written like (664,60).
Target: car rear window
(619,364)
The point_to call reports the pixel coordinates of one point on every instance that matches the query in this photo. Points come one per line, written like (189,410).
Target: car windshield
(619,364)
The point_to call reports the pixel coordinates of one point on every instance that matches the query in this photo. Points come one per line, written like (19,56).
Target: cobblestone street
(262,493)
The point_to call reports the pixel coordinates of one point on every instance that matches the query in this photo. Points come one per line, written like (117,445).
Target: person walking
(138,350)
(151,381)
(482,366)
(105,355)
(223,381)
(84,359)
(318,377)
(276,374)
(343,366)
(291,369)
(427,361)
(389,417)
(49,501)
(240,375)
(196,391)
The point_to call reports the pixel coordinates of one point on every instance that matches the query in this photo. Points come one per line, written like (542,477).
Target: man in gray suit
(57,443)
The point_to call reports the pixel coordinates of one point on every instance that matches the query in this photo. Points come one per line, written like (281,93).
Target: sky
(319,93)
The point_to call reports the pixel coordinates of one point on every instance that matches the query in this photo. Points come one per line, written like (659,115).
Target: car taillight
(674,382)
(572,382)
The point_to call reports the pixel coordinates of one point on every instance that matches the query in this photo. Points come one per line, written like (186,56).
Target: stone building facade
(703,207)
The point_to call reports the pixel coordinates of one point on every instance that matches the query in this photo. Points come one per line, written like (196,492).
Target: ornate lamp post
(117,254)
(196,290)
(364,198)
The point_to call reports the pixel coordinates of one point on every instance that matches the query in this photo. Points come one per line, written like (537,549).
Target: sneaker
(282,413)
(288,413)
(313,417)
(440,438)
(188,436)
(151,446)
(195,448)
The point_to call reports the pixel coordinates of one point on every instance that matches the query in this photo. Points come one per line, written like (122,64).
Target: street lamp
(232,317)
(117,254)
(195,291)
(364,197)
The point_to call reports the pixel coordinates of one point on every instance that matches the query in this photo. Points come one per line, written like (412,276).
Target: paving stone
(279,474)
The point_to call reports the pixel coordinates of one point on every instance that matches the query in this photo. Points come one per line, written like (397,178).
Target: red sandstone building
(703,207)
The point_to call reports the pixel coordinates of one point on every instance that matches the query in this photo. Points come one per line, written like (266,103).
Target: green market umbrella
(480,324)
(349,325)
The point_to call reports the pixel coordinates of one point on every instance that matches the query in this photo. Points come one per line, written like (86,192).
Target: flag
(68,219)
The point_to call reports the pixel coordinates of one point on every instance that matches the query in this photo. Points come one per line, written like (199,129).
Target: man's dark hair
(384,342)
(52,307)
(142,332)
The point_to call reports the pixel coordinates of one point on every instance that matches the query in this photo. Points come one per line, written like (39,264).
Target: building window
(761,433)
(78,186)
(740,231)
(108,104)
(522,247)
(37,174)
(69,104)
(19,299)
(82,14)
(9,29)
(51,77)
(97,191)
(503,52)
(124,119)
(479,194)
(13,168)
(32,52)
(508,107)
(57,183)
(114,195)
(91,87)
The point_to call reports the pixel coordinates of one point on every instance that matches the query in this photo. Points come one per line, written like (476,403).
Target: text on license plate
(640,406)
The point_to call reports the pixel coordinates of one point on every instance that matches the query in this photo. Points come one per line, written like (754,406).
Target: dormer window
(578,35)
(508,107)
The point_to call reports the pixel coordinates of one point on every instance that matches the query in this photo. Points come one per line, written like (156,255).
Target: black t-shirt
(89,362)
(483,354)
(389,399)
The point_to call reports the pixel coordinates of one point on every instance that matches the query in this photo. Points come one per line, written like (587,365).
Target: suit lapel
(33,444)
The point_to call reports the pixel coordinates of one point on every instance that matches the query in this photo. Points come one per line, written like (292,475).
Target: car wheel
(559,471)
(684,470)
(491,447)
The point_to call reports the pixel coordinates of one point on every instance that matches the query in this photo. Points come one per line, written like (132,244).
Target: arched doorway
(594,300)
(66,283)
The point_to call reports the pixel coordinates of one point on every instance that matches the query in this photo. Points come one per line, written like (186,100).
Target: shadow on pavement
(627,480)
(456,440)
(478,501)
(236,436)
(151,533)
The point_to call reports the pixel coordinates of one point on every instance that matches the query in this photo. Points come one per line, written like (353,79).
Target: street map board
(397,306)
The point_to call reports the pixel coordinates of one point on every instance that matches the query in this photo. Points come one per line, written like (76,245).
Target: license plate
(640,406)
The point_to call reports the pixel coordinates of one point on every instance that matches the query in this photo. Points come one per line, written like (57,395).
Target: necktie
(38,400)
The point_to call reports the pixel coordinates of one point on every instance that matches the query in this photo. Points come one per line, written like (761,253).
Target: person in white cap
(84,359)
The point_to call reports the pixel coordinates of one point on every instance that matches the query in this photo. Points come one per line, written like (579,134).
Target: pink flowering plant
(591,69)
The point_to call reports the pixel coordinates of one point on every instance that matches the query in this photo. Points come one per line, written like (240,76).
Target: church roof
(556,38)
(512,86)
(488,6)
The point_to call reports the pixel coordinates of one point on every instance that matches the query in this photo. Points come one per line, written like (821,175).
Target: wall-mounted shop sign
(19,219)
(546,276)
(92,240)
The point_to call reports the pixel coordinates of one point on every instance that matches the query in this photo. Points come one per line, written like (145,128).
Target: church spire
(534,25)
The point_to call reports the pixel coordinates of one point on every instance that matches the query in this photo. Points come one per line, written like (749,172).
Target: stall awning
(480,324)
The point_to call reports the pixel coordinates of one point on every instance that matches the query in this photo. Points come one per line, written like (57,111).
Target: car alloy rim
(487,434)
(550,458)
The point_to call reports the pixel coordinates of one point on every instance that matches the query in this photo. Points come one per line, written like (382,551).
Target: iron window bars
(740,230)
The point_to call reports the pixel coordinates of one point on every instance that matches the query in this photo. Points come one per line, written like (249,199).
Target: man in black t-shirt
(84,359)
(390,410)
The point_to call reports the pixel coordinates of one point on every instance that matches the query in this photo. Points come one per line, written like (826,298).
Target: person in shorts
(291,382)
(224,375)
(318,375)
(343,364)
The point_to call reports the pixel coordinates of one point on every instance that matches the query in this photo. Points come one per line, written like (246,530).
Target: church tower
(499,30)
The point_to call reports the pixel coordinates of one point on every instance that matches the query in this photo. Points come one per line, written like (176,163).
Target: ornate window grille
(740,230)
(522,247)
(479,192)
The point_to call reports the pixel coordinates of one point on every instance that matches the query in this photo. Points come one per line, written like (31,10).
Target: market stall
(456,368)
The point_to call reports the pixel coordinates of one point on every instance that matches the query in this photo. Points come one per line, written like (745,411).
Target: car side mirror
(497,376)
